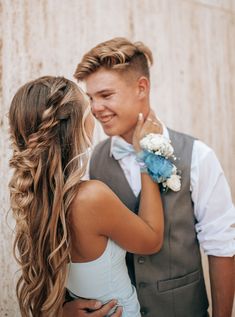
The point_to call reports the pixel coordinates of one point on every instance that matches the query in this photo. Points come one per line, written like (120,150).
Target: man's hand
(92,308)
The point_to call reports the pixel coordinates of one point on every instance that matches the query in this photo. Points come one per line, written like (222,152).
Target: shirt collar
(113,138)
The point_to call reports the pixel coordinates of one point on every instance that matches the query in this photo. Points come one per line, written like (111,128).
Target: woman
(67,229)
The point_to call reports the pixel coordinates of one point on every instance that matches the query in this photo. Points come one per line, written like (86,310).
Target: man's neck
(127,136)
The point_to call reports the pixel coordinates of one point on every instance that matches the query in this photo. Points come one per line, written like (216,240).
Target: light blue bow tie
(121,148)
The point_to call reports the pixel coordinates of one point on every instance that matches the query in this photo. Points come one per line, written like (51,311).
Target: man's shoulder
(100,158)
(183,145)
(178,134)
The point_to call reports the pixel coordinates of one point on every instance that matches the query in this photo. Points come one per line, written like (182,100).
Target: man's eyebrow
(103,91)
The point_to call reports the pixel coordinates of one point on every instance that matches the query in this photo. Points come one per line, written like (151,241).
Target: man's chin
(125,136)
(110,132)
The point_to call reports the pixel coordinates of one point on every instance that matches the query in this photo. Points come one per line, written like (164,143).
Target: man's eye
(106,96)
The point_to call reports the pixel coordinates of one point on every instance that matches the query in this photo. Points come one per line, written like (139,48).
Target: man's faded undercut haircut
(116,54)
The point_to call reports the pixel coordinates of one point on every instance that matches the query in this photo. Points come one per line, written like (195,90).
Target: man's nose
(97,106)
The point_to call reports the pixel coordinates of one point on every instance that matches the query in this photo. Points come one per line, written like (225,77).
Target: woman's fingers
(137,133)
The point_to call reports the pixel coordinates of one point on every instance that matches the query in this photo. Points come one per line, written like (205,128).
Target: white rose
(150,142)
(157,143)
(174,183)
(167,150)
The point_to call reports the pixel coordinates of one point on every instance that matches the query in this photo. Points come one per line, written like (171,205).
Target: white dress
(104,279)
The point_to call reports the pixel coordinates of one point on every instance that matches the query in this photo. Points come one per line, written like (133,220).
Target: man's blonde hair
(117,54)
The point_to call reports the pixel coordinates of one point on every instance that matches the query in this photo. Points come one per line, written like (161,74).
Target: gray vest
(169,283)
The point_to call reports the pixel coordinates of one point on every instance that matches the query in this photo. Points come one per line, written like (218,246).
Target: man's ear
(143,87)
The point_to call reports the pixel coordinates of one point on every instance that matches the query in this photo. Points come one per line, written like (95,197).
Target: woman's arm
(137,234)
(150,209)
(102,213)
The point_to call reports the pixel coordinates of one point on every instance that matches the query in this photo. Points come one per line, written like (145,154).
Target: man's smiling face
(115,101)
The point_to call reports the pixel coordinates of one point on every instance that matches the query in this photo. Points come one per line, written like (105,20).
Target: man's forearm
(222,279)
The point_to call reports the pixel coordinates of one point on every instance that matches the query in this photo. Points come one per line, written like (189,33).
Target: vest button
(142,284)
(141,260)
(144,311)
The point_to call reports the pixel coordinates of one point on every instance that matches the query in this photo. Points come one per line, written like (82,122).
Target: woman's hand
(143,127)
(89,307)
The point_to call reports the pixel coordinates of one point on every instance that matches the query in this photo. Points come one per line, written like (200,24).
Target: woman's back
(102,228)
(105,278)
(98,268)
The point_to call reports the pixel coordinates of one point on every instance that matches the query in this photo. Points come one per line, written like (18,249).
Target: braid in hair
(46,123)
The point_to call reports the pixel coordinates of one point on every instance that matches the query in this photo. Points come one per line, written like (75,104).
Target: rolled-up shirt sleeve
(213,206)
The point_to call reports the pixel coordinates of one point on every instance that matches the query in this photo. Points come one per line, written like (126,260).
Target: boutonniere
(157,154)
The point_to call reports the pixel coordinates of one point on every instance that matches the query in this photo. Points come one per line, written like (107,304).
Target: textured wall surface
(192,79)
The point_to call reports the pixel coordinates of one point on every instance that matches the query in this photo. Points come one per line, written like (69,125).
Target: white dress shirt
(213,206)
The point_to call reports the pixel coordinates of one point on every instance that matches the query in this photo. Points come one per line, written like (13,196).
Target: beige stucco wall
(192,80)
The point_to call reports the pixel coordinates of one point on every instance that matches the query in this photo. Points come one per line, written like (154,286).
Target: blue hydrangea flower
(159,168)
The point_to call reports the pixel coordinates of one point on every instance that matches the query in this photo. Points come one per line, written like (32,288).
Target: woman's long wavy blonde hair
(49,158)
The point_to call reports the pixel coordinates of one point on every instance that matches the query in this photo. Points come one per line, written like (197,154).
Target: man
(169,283)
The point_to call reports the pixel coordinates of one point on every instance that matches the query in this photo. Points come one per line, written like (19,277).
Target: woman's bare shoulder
(91,193)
